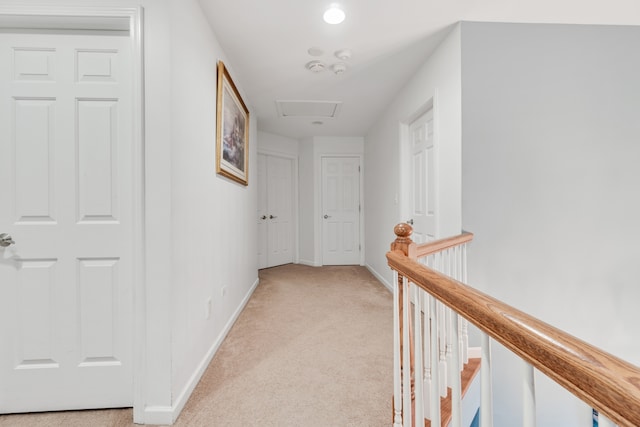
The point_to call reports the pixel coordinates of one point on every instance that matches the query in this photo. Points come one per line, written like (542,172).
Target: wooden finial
(403,231)
(403,238)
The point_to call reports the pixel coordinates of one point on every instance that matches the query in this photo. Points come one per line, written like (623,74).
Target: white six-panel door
(340,210)
(65,185)
(275,210)
(423,178)
(262,214)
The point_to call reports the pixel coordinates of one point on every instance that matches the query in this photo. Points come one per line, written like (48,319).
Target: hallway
(313,347)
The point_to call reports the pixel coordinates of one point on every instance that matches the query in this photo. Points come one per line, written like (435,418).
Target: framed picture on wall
(232,130)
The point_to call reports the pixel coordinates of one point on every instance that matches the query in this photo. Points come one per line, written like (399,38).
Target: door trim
(404,209)
(318,191)
(32,16)
(295,202)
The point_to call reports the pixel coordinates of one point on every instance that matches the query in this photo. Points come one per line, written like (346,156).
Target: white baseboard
(309,263)
(165,415)
(380,278)
(158,415)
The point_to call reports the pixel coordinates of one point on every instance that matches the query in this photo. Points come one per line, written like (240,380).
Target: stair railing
(429,277)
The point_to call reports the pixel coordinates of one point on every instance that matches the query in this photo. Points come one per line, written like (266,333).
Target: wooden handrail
(424,249)
(600,379)
(413,250)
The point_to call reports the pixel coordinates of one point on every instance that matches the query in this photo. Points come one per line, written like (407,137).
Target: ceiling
(267,42)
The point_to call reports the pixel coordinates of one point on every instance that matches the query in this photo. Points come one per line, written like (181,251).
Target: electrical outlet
(207,313)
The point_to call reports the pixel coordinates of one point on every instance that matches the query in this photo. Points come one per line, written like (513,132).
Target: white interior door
(262,212)
(275,216)
(340,210)
(423,185)
(65,182)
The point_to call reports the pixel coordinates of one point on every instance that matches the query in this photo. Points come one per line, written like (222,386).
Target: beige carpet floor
(312,348)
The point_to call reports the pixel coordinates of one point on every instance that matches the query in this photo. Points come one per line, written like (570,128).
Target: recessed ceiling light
(317,123)
(334,15)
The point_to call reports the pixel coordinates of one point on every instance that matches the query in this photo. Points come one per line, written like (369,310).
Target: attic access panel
(309,109)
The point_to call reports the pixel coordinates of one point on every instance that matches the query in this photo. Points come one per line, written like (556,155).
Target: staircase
(432,310)
(470,404)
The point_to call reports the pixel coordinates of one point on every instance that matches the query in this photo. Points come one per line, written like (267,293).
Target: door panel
(341,210)
(262,211)
(65,176)
(33,151)
(423,178)
(276,207)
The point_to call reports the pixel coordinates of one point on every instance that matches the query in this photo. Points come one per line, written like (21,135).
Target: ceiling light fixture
(339,67)
(334,15)
(315,66)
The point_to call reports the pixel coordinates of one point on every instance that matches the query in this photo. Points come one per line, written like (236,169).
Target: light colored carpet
(312,348)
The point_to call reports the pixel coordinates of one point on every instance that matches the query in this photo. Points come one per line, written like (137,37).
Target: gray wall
(551,147)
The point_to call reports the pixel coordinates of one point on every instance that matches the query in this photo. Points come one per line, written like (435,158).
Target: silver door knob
(263,217)
(5,240)
(410,222)
(272,217)
(327,216)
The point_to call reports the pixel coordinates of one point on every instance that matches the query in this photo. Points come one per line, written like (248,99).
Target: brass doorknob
(5,240)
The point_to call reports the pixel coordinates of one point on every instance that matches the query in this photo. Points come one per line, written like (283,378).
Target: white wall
(438,80)
(213,228)
(306,208)
(156,378)
(550,187)
(277,144)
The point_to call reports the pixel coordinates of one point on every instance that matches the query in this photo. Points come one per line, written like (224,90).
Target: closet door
(275,212)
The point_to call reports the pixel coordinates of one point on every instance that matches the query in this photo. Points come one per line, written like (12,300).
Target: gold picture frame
(232,130)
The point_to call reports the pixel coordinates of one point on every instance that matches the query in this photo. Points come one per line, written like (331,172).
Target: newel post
(403,242)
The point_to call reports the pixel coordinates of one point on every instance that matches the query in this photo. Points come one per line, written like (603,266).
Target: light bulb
(334,15)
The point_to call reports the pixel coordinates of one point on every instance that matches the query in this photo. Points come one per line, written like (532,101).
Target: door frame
(404,205)
(294,201)
(91,17)
(320,197)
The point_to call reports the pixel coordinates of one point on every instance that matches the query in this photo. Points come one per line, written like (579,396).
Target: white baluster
(448,270)
(486,396)
(426,355)
(465,323)
(435,379)
(463,356)
(406,356)
(456,386)
(419,362)
(397,381)
(464,339)
(605,422)
(429,262)
(442,350)
(528,396)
